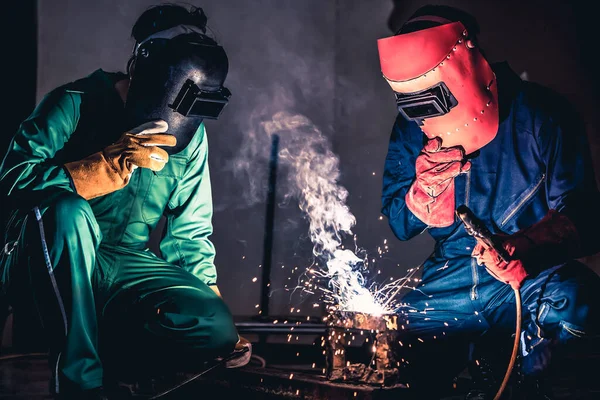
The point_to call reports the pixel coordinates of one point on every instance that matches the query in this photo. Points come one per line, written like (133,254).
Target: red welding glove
(512,273)
(431,196)
(549,242)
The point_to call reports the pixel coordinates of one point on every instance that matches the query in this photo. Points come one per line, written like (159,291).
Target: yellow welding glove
(109,170)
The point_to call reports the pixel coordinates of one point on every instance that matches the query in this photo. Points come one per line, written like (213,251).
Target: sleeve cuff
(71,183)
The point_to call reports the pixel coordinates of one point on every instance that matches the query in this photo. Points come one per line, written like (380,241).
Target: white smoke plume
(313,173)
(311,178)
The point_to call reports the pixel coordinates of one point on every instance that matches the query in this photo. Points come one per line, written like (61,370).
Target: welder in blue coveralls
(473,133)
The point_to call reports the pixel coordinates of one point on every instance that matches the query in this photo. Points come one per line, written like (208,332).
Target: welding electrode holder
(476,228)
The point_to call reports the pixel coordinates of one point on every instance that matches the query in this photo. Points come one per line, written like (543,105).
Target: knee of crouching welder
(69,213)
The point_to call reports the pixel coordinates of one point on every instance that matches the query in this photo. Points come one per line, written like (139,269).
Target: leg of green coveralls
(53,263)
(159,317)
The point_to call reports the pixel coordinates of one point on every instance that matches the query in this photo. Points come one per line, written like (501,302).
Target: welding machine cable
(214,365)
(515,349)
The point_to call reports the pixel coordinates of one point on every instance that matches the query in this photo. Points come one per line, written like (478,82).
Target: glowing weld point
(291,376)
(420,340)
(254,279)
(314,364)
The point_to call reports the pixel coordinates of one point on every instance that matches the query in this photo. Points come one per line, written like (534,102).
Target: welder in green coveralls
(86,179)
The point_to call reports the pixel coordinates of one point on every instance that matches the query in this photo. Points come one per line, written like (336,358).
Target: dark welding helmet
(177,79)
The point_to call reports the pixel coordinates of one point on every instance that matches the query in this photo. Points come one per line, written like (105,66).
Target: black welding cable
(21,356)
(198,375)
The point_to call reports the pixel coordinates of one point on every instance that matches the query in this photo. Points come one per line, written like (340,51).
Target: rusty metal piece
(362,321)
(380,334)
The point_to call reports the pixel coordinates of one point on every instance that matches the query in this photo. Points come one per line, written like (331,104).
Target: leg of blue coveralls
(158,317)
(53,262)
(560,307)
(438,324)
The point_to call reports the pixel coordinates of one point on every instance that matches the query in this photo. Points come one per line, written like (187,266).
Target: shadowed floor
(27,378)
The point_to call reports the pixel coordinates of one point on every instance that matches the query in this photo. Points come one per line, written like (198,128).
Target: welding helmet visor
(179,80)
(443,83)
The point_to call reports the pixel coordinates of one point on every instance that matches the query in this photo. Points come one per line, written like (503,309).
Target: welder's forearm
(554,240)
(31,177)
(29,165)
(403,222)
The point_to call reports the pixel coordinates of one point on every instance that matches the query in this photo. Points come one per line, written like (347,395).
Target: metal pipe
(269,224)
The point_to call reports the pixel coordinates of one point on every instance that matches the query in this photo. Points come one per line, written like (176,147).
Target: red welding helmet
(443,82)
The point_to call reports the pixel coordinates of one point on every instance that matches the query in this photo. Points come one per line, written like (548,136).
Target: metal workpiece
(375,334)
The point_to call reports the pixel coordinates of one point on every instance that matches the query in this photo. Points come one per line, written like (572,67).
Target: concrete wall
(316,58)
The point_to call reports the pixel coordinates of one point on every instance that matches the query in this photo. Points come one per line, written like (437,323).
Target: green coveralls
(104,299)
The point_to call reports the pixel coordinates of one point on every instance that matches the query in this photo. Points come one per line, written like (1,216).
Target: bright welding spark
(313,179)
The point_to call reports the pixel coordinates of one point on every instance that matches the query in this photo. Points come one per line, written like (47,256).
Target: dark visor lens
(206,108)
(432,102)
(193,102)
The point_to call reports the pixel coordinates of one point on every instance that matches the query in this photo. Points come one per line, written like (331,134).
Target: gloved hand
(549,242)
(110,169)
(512,273)
(243,357)
(431,196)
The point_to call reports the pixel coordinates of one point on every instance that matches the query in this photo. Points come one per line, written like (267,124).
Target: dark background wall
(319,59)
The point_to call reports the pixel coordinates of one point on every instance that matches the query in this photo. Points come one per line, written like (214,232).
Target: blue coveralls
(538,161)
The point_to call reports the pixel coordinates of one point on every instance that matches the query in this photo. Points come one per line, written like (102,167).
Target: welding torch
(476,228)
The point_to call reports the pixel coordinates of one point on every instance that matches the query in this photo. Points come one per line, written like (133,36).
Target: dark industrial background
(317,58)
